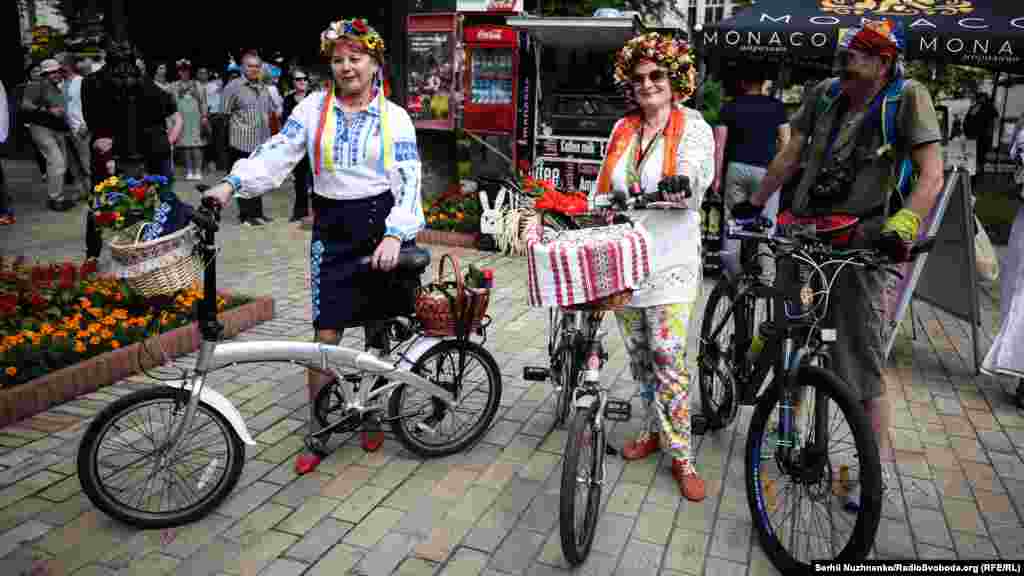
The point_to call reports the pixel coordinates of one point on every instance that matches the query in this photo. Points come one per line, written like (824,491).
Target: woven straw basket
(158,267)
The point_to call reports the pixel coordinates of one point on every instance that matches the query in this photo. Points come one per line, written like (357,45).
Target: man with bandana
(849,135)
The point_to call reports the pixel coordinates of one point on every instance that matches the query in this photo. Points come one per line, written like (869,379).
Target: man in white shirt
(78,138)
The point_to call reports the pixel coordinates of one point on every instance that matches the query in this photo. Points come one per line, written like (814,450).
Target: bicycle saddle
(835,229)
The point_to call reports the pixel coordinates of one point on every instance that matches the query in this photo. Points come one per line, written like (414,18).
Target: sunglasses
(655,76)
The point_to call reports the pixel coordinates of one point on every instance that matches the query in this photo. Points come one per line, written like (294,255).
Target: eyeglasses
(655,76)
(301,79)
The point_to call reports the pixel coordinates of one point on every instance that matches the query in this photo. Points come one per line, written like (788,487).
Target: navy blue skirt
(345,291)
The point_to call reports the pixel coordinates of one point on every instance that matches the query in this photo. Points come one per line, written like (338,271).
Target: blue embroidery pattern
(354,153)
(292,128)
(340,136)
(406,151)
(315,258)
(154,230)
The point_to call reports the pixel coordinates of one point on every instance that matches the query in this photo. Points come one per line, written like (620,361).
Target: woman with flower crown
(660,139)
(366,182)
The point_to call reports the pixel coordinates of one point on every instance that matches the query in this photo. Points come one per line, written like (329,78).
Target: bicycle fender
(416,351)
(224,407)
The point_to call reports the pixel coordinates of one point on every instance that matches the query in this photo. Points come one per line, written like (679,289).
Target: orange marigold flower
(79,346)
(82,334)
(60,334)
(36,340)
(95,312)
(94,340)
(106,334)
(115,344)
(109,321)
(95,327)
(120,314)
(11,371)
(46,329)
(89,290)
(85,302)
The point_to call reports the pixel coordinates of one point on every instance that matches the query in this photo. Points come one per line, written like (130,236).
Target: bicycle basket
(158,267)
(449,308)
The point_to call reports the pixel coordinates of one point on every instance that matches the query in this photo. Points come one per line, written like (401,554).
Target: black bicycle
(809,442)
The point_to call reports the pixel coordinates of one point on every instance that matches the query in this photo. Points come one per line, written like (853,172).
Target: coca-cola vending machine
(492,68)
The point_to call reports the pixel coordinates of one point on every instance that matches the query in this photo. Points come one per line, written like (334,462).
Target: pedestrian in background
(44,102)
(301,173)
(249,106)
(78,140)
(190,96)
(6,214)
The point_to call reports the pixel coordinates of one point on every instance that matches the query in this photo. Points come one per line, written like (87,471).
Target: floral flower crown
(356,29)
(665,51)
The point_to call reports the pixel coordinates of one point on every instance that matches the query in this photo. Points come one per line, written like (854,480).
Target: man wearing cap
(44,102)
(848,134)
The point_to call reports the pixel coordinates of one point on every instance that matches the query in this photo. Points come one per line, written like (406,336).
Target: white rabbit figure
(490,220)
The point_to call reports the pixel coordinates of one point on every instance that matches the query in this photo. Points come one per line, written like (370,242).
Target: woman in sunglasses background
(658,139)
(302,174)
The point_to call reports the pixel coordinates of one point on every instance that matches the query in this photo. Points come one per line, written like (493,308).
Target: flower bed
(57,315)
(454,211)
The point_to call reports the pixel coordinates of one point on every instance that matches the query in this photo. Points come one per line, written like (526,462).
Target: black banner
(525,112)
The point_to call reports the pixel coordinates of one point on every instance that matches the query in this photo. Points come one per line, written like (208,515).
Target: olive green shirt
(876,175)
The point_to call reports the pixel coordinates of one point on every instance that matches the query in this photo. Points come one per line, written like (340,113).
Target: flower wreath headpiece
(355,29)
(883,37)
(675,56)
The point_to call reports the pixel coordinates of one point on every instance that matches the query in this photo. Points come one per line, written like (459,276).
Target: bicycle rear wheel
(423,424)
(125,470)
(797,502)
(563,372)
(582,473)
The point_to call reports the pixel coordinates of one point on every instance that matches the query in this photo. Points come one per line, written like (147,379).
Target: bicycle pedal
(698,424)
(618,410)
(535,373)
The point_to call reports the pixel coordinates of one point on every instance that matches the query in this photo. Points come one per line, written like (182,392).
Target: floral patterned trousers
(655,340)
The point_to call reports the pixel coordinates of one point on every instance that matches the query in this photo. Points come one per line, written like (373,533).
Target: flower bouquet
(154,240)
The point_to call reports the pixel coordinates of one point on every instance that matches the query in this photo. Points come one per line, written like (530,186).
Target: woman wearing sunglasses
(660,139)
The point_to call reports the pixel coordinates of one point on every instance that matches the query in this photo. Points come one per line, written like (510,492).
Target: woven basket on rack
(443,313)
(158,267)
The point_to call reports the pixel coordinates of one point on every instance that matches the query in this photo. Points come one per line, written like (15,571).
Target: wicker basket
(158,267)
(445,314)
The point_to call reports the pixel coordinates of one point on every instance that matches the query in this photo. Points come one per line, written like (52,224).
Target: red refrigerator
(492,67)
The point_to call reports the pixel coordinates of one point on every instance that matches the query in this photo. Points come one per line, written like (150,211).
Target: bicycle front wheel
(797,482)
(424,424)
(580,497)
(717,355)
(127,472)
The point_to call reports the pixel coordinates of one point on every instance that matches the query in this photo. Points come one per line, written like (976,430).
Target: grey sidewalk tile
(612,533)
(542,514)
(731,540)
(720,567)
(217,556)
(517,495)
(284,567)
(974,547)
(387,554)
(640,558)
(491,529)
(22,533)
(241,503)
(465,562)
(296,493)
(321,538)
(894,539)
(517,552)
(929,527)
(927,552)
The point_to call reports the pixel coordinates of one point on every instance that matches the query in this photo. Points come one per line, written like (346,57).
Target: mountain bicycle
(577,356)
(793,419)
(169,455)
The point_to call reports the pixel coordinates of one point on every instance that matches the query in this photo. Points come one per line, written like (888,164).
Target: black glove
(679,184)
(746,211)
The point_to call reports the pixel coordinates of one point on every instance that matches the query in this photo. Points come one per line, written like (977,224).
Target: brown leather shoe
(643,446)
(691,486)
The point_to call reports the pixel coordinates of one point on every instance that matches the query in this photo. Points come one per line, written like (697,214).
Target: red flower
(360,25)
(37,300)
(139,193)
(8,304)
(89,267)
(106,218)
(67,275)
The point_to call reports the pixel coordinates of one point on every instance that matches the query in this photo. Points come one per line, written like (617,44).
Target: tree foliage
(952,82)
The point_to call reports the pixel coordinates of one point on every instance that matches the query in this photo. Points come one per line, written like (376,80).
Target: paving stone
(258,521)
(542,513)
(216,557)
(973,546)
(64,512)
(927,552)
(720,567)
(640,558)
(443,538)
(303,488)
(416,567)
(312,511)
(540,466)
(929,527)
(491,529)
(186,540)
(387,555)
(997,509)
(262,552)
(410,493)
(612,533)
(248,499)
(1008,465)
(920,493)
(995,441)
(322,537)
(963,516)
(498,474)
(1009,541)
(760,565)
(952,484)
(731,540)
(392,475)
(24,532)
(465,562)
(152,564)
(517,495)
(503,432)
(426,514)
(370,531)
(339,560)
(284,567)
(627,499)
(517,552)
(475,502)
(362,501)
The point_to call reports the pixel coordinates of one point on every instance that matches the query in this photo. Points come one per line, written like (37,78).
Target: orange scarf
(623,136)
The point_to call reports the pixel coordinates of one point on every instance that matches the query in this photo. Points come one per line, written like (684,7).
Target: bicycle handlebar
(207,216)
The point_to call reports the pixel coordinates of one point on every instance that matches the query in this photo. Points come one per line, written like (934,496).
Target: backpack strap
(890,135)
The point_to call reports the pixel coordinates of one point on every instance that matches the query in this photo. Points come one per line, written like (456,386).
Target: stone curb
(39,395)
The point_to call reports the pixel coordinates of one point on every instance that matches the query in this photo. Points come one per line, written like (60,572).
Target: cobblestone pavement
(491,510)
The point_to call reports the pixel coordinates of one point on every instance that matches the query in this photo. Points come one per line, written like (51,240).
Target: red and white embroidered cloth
(578,266)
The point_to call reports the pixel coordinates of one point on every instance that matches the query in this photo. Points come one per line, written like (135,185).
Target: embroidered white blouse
(676,234)
(351,164)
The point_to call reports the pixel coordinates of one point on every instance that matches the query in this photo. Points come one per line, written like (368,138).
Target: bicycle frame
(214,355)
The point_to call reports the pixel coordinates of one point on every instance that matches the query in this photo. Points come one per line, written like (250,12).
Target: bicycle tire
(709,359)
(567,371)
(96,491)
(576,546)
(409,439)
(866,525)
